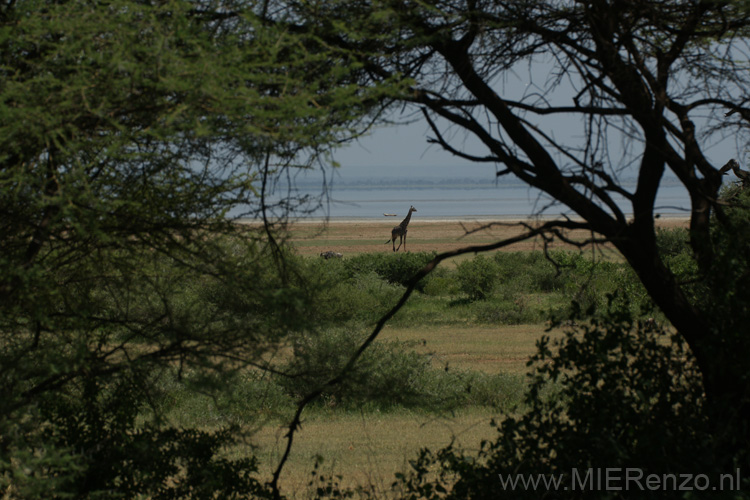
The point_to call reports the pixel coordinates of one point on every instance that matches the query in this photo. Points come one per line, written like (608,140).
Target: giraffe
(400,231)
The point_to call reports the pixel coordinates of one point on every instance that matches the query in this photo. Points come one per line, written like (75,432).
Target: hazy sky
(403,150)
(406,146)
(397,145)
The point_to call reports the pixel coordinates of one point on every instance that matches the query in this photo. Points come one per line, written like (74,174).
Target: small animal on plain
(331,255)
(400,231)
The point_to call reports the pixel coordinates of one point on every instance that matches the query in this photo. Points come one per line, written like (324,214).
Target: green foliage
(528,272)
(672,242)
(386,375)
(510,312)
(389,375)
(108,456)
(477,277)
(363,288)
(509,288)
(625,395)
(451,390)
(250,398)
(674,248)
(363,298)
(87,382)
(442,282)
(724,293)
(131,133)
(396,268)
(727,275)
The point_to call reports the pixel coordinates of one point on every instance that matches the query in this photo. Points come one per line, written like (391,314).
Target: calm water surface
(439,192)
(451,201)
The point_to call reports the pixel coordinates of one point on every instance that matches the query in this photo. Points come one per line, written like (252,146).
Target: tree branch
(296,422)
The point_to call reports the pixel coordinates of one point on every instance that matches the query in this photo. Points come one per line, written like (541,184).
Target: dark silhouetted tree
(615,89)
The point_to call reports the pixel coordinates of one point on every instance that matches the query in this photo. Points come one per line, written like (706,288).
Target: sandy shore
(352,236)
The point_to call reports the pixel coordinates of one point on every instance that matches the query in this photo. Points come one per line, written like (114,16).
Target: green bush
(451,390)
(364,297)
(248,396)
(585,281)
(329,271)
(508,312)
(526,272)
(397,268)
(442,282)
(424,310)
(386,375)
(506,288)
(390,375)
(111,454)
(672,241)
(626,395)
(477,277)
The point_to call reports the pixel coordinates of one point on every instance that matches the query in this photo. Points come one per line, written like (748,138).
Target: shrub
(451,390)
(585,281)
(115,456)
(247,397)
(365,297)
(442,282)
(508,312)
(526,272)
(477,277)
(328,271)
(424,310)
(397,268)
(672,241)
(389,375)
(386,375)
(624,398)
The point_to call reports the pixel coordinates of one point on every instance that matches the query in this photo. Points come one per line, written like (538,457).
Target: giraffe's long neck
(405,222)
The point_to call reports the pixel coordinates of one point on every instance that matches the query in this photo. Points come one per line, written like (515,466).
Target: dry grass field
(504,349)
(368,448)
(361,236)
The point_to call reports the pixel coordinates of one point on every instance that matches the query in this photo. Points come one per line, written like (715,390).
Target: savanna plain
(451,361)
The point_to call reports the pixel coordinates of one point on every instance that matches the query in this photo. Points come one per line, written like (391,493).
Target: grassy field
(492,350)
(367,447)
(472,326)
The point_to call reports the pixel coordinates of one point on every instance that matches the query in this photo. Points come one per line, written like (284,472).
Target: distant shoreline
(352,236)
(458,218)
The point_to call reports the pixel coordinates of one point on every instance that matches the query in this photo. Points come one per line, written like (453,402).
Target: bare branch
(440,140)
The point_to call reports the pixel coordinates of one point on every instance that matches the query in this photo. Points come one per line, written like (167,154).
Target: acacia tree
(132,134)
(644,88)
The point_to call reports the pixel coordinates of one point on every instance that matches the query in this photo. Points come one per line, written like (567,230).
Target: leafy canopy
(132,134)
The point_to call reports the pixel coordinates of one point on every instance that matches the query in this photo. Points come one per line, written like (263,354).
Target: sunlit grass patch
(366,448)
(503,349)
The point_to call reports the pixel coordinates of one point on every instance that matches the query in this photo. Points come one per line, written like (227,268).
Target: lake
(370,198)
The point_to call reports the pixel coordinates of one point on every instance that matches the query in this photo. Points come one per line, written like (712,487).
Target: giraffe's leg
(404,240)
